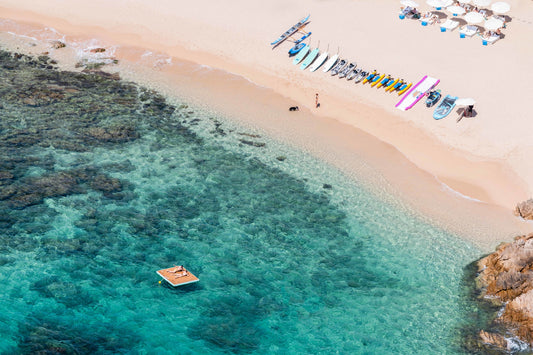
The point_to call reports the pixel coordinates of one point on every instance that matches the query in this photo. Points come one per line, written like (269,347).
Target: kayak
(297,47)
(370,77)
(404,88)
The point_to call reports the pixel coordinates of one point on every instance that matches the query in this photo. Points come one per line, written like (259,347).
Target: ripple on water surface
(286,266)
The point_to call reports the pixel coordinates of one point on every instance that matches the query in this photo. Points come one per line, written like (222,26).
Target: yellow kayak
(404,89)
(382,81)
(399,85)
(375,82)
(371,76)
(388,87)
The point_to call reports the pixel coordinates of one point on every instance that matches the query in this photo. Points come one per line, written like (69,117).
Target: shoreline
(330,136)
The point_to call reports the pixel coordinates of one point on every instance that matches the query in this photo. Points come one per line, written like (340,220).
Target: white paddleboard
(330,63)
(320,60)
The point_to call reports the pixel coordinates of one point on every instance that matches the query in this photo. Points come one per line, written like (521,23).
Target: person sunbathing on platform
(177,269)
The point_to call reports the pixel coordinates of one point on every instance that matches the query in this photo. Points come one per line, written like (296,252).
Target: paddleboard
(330,63)
(303,52)
(312,56)
(319,61)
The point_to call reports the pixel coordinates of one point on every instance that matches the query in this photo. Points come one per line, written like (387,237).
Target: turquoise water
(292,256)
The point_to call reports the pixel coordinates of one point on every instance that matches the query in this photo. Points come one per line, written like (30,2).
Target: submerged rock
(493,339)
(106,184)
(34,190)
(5,176)
(525,209)
(117,134)
(506,277)
(252,143)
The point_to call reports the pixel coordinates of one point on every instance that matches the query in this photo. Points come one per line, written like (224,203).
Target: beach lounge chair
(404,11)
(491,39)
(426,18)
(468,31)
(449,25)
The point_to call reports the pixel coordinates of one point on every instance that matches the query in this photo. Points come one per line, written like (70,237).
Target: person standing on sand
(317,105)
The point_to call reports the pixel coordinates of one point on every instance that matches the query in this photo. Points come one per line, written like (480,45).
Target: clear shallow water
(286,265)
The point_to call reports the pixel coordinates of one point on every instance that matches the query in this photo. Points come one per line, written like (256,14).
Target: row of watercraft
(313,59)
(345,69)
(305,57)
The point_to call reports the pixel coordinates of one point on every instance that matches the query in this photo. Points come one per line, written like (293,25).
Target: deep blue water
(293,257)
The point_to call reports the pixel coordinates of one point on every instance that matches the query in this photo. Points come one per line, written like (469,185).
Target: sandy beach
(464,176)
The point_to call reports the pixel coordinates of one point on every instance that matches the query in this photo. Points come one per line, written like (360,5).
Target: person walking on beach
(317,104)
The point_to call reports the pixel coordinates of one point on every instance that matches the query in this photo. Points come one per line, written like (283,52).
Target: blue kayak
(297,47)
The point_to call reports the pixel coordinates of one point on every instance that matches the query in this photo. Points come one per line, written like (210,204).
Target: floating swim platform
(177,278)
(417,92)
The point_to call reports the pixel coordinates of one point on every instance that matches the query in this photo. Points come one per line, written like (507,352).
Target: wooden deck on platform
(176,278)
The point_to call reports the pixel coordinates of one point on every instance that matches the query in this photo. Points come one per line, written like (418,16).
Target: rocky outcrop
(506,276)
(493,339)
(524,209)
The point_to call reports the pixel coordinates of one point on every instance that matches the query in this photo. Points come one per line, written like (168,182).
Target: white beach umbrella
(439,3)
(456,10)
(464,1)
(482,3)
(465,102)
(493,24)
(409,3)
(474,17)
(500,7)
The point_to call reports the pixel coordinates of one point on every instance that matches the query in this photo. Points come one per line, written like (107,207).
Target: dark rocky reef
(32,191)
(506,279)
(74,111)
